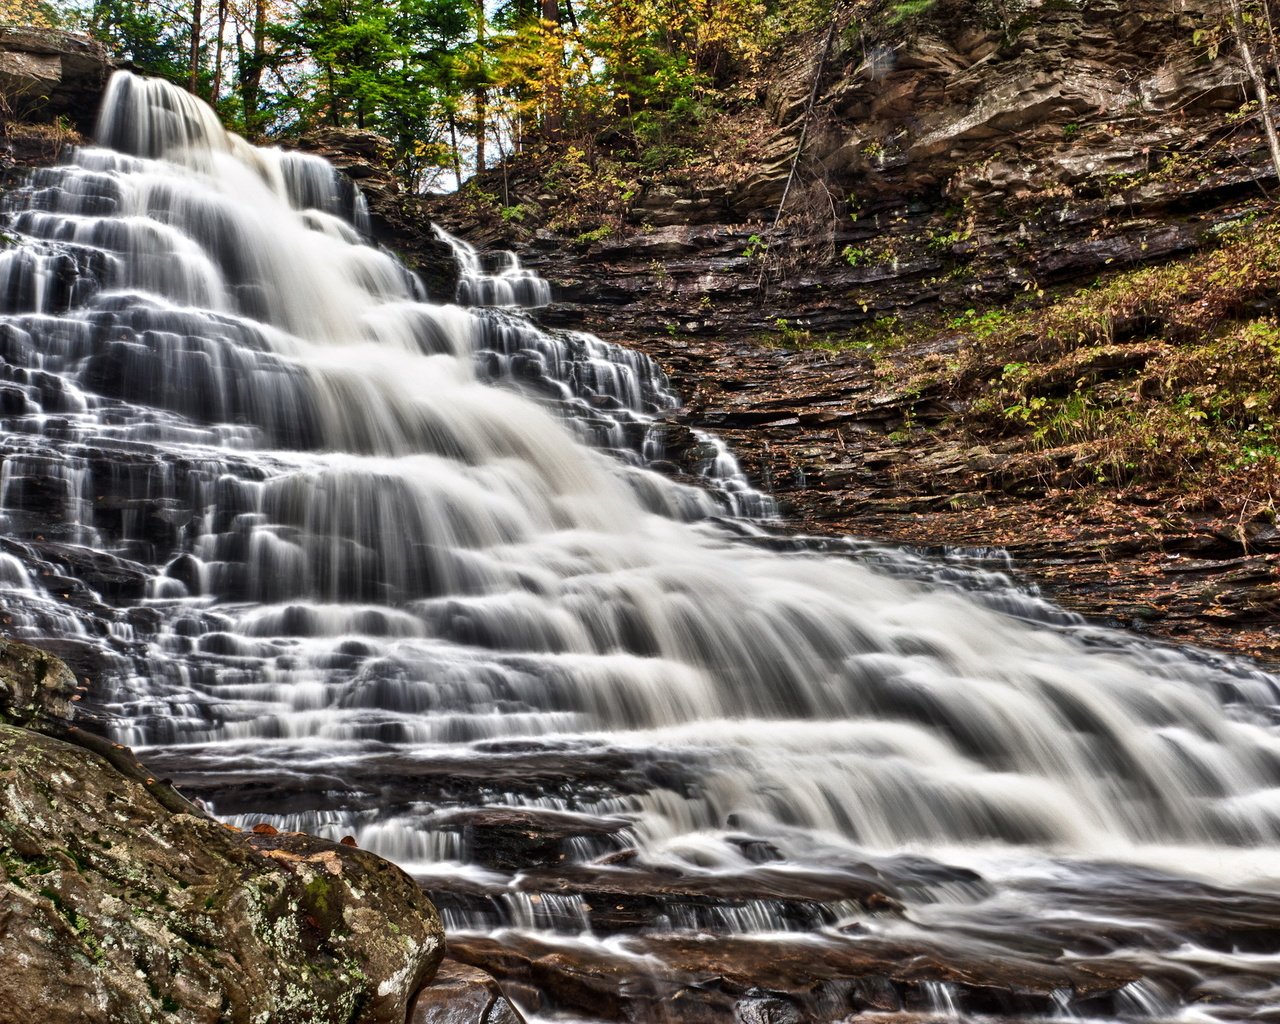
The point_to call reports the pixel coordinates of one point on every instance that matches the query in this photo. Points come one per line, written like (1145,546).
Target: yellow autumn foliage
(24,12)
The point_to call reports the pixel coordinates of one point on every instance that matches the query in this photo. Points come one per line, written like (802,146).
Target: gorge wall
(959,160)
(953,163)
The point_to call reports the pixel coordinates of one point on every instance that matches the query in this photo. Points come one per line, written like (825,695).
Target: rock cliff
(47,75)
(948,159)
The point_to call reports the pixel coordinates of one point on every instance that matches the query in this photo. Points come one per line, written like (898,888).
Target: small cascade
(343,560)
(494,279)
(719,468)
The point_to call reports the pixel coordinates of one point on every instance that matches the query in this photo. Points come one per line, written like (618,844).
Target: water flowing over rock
(508,284)
(433,578)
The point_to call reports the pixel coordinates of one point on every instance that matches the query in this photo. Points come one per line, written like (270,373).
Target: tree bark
(482,112)
(197,16)
(551,98)
(218,50)
(251,66)
(453,142)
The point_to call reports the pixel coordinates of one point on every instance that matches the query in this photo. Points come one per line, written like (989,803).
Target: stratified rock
(362,155)
(46,74)
(124,903)
(950,160)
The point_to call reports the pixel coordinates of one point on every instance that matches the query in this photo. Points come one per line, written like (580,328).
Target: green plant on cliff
(856,255)
(1166,376)
(756,248)
(906,10)
(793,334)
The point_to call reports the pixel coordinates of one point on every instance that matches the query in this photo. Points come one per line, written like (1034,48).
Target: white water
(507,284)
(368,527)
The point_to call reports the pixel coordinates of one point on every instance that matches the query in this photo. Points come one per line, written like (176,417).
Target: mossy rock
(123,903)
(34,685)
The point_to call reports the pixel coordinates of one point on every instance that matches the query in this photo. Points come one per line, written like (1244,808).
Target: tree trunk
(335,108)
(551,98)
(1271,40)
(453,141)
(251,67)
(197,16)
(482,112)
(218,50)
(1259,81)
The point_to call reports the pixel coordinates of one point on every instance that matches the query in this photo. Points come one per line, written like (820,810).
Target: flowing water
(347,558)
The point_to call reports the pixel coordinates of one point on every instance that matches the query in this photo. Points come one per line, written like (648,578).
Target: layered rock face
(46,75)
(124,902)
(50,85)
(955,158)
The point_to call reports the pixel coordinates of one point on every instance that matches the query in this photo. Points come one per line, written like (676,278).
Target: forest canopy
(455,85)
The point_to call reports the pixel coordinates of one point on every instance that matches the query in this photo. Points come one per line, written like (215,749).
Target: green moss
(80,924)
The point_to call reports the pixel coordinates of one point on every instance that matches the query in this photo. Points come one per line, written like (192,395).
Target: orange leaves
(24,12)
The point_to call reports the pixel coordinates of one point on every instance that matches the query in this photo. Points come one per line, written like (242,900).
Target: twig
(804,131)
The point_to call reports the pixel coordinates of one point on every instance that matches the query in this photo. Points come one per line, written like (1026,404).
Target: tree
(1246,22)
(481,83)
(197,29)
(154,43)
(26,12)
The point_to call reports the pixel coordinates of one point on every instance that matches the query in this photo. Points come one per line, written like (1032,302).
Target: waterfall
(508,284)
(316,537)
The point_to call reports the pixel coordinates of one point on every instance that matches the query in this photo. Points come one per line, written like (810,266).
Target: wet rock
(516,839)
(463,995)
(123,902)
(635,898)
(767,1010)
(702,978)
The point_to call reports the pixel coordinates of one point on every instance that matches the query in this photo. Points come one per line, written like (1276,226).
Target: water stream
(349,558)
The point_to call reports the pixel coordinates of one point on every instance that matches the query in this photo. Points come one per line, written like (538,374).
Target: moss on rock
(122,902)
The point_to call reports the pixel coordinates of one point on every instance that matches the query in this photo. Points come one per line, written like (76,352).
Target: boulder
(123,902)
(34,686)
(462,994)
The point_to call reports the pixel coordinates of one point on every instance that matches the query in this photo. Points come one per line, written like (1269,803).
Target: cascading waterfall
(359,562)
(507,284)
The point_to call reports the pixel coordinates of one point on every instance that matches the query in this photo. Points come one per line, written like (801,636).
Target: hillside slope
(879,357)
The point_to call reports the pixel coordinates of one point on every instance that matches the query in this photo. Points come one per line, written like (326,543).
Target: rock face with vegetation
(950,156)
(47,75)
(50,85)
(898,350)
(122,902)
